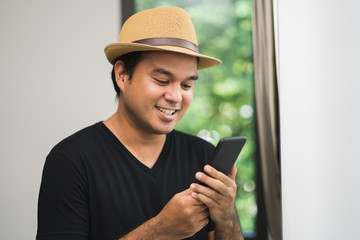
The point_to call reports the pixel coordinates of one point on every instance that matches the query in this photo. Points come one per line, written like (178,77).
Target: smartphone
(226,153)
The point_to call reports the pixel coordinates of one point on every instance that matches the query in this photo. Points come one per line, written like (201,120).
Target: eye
(161,82)
(186,86)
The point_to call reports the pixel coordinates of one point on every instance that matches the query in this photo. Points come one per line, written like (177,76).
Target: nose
(174,93)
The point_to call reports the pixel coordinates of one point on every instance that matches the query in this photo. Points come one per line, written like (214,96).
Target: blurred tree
(223,102)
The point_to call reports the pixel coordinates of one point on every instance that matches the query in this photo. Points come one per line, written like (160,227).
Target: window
(223,102)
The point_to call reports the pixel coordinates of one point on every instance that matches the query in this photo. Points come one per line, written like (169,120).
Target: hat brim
(115,50)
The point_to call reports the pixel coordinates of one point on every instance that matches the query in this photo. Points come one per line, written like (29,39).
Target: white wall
(320,118)
(54,80)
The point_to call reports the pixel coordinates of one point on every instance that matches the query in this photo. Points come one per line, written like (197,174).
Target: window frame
(261,229)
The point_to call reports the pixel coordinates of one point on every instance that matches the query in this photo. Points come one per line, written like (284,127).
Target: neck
(144,146)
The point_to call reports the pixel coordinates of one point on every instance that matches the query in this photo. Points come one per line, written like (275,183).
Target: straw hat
(159,29)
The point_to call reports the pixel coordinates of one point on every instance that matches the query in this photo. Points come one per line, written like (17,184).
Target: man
(132,176)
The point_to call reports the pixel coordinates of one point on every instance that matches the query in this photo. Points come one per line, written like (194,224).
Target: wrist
(228,231)
(158,228)
(227,217)
(162,229)
(228,228)
(151,229)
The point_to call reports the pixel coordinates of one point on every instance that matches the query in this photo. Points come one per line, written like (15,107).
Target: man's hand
(183,216)
(218,195)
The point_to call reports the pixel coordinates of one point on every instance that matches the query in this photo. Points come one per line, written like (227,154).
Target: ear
(121,76)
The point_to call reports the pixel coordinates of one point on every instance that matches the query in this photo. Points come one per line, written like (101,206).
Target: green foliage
(223,102)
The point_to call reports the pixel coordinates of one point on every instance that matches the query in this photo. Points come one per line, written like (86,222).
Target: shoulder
(77,140)
(67,159)
(191,141)
(78,146)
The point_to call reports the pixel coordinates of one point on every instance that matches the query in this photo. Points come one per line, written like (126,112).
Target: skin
(218,195)
(150,104)
(160,79)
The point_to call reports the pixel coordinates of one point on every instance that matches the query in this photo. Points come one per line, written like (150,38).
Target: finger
(205,213)
(218,175)
(211,182)
(210,202)
(210,193)
(197,203)
(226,189)
(200,206)
(202,223)
(185,192)
(232,173)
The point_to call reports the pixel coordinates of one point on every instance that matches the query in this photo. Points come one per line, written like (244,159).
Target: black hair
(130,61)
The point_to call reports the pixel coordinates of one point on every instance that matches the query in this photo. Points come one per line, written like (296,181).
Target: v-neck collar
(159,161)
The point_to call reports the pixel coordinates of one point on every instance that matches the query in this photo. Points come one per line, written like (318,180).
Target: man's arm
(219,196)
(182,217)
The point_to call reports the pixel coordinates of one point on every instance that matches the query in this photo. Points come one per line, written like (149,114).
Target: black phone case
(226,153)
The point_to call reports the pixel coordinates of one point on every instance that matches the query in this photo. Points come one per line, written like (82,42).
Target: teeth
(166,111)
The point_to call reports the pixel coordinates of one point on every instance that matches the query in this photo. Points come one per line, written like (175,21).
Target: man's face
(160,91)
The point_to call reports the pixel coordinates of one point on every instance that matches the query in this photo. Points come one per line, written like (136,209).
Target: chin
(164,130)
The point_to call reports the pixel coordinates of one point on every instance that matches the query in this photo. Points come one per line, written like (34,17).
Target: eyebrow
(170,74)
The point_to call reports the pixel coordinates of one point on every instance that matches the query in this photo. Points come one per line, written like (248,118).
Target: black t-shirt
(94,188)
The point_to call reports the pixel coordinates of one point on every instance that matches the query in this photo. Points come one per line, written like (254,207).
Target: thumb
(232,173)
(185,192)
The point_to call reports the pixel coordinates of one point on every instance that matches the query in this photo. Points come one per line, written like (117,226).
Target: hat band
(177,42)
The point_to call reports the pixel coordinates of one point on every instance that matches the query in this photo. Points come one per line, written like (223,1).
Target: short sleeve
(63,203)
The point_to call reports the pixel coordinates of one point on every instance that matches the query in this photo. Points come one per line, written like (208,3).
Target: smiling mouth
(166,111)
